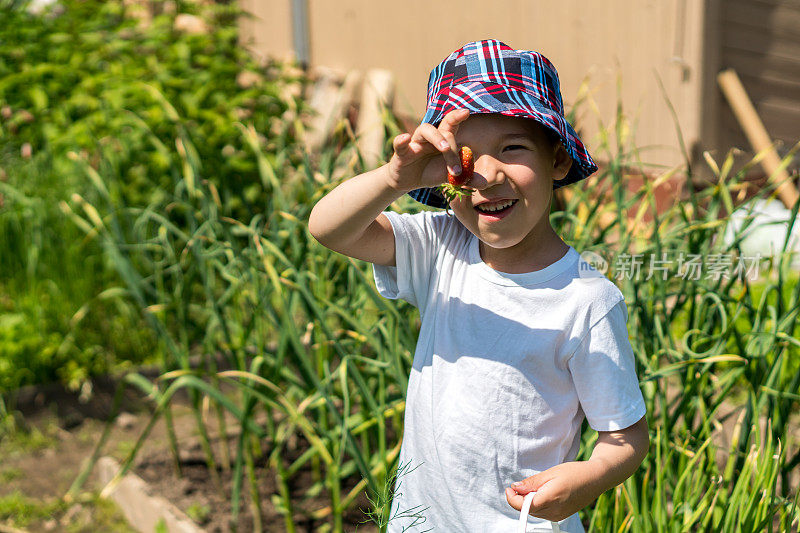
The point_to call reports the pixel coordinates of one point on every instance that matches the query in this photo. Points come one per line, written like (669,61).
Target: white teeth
(489,208)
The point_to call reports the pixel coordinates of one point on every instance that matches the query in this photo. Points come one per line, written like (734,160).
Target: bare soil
(196,489)
(60,431)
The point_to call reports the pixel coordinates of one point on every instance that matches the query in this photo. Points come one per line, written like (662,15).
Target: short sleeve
(603,371)
(417,241)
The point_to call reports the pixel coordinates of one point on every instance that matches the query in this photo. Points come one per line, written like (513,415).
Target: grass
(198,512)
(91,513)
(7,475)
(24,511)
(21,440)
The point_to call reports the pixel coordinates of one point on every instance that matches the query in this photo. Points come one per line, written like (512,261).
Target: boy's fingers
(401,142)
(428,133)
(452,155)
(453,119)
(534,482)
(514,499)
(448,128)
(425,133)
(538,504)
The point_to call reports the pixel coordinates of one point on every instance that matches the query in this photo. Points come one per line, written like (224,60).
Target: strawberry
(467,166)
(454,186)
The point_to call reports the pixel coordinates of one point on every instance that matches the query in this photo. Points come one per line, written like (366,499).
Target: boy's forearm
(343,215)
(617,455)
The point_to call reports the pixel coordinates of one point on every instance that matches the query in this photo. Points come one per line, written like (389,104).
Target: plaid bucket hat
(491,77)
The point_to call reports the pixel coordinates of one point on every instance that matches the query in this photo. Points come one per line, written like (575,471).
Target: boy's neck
(530,255)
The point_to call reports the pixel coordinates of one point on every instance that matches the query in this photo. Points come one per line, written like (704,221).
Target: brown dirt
(71,429)
(196,488)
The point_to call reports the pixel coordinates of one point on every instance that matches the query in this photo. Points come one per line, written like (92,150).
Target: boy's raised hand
(422,158)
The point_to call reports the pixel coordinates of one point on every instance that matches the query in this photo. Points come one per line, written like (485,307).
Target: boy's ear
(562,162)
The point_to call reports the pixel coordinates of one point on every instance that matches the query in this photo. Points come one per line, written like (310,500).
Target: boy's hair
(490,77)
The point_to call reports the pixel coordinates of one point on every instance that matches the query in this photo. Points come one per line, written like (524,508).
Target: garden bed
(63,429)
(44,458)
(196,494)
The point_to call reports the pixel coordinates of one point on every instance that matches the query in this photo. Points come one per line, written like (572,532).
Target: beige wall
(639,40)
(269,31)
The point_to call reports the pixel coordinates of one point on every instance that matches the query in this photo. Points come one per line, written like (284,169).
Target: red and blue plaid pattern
(490,77)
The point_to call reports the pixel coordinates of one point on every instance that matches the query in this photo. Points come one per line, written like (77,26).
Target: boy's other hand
(566,488)
(423,158)
(561,490)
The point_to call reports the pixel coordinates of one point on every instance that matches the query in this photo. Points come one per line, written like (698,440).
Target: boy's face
(515,165)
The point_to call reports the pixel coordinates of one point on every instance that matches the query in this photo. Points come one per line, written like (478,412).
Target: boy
(515,346)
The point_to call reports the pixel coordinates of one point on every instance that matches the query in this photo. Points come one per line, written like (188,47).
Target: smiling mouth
(495,208)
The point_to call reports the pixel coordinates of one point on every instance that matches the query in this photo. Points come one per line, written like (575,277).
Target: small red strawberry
(467,165)
(455,184)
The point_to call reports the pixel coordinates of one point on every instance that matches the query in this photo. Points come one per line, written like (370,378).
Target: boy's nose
(486,173)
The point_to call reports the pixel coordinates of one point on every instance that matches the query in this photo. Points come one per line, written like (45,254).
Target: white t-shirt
(505,368)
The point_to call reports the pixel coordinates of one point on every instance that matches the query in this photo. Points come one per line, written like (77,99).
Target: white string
(526,509)
(524,512)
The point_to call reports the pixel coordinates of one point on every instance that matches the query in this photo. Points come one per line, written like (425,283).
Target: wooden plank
(760,41)
(772,35)
(782,121)
(762,87)
(784,19)
(790,107)
(748,63)
(757,135)
(773,3)
(783,125)
(738,37)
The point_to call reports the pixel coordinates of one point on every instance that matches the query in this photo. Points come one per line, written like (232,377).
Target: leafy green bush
(84,85)
(43,340)
(82,81)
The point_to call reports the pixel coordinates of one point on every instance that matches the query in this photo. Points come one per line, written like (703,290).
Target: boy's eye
(514,147)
